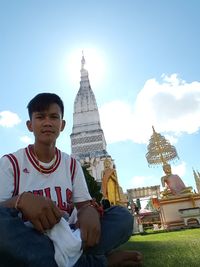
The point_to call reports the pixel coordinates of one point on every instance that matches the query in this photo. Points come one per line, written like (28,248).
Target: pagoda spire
(84,74)
(85,99)
(87,136)
(82,61)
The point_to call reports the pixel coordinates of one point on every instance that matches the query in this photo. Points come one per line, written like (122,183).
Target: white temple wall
(89,117)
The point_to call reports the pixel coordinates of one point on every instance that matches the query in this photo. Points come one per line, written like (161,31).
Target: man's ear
(29,126)
(63,125)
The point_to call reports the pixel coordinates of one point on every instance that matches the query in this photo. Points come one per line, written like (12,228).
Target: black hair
(42,102)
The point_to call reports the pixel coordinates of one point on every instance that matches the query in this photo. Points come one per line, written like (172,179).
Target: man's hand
(89,224)
(40,211)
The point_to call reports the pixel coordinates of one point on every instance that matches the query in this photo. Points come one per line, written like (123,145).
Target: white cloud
(9,119)
(141,181)
(115,118)
(179,169)
(172,106)
(26,139)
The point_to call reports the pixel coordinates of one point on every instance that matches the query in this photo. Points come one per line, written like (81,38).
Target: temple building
(88,144)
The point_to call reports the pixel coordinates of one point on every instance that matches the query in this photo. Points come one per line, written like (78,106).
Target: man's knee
(7,212)
(7,218)
(122,217)
(126,217)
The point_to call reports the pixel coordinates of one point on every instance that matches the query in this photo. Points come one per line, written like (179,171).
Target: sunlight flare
(94,64)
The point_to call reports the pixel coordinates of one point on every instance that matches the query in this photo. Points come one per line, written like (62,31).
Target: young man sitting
(40,185)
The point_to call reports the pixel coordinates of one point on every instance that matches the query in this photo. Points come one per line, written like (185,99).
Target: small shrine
(178,204)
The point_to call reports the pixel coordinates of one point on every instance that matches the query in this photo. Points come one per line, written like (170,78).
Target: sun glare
(94,64)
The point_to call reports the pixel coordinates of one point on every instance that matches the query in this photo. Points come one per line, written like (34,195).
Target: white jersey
(63,182)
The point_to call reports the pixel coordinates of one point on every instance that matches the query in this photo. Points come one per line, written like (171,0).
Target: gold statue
(110,186)
(173,183)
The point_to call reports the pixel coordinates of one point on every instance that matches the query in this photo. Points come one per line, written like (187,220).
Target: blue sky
(143,60)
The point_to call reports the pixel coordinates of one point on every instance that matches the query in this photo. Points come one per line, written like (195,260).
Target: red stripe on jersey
(71,165)
(31,158)
(16,172)
(34,161)
(72,168)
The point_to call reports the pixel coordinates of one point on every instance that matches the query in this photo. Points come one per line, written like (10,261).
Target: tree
(93,187)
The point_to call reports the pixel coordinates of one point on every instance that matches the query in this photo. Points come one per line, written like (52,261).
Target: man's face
(47,125)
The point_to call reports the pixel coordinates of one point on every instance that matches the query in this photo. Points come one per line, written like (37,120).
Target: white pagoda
(88,143)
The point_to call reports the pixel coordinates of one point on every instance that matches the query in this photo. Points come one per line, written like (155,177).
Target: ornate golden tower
(160,151)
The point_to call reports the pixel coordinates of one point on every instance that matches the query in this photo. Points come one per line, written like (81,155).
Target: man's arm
(10,203)
(40,211)
(88,216)
(89,223)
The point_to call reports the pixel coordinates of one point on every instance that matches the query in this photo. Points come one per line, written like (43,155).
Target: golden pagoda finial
(160,151)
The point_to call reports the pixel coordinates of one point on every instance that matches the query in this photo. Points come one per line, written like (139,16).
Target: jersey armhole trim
(16,172)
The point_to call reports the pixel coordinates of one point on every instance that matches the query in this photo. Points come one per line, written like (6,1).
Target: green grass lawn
(169,249)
